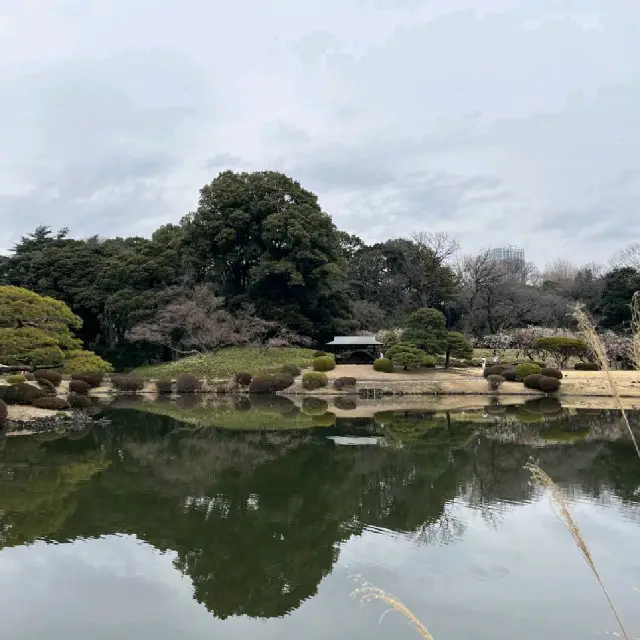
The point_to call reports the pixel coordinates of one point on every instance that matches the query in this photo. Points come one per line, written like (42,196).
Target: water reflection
(256,518)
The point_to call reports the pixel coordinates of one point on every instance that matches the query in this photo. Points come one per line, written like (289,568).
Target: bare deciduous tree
(444,246)
(194,321)
(628,257)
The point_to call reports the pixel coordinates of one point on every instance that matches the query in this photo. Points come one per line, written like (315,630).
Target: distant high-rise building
(510,253)
(513,257)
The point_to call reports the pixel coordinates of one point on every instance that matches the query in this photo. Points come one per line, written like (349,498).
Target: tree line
(260,261)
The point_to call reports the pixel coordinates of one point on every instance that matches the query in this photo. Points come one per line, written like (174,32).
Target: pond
(156,528)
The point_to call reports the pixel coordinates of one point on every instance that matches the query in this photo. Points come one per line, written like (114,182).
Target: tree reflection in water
(257,518)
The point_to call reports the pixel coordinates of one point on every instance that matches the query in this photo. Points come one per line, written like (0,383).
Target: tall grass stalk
(559,500)
(368,592)
(599,351)
(635,328)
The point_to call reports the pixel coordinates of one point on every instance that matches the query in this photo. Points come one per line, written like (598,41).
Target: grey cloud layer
(511,124)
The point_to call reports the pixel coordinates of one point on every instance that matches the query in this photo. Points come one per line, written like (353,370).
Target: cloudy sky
(515,123)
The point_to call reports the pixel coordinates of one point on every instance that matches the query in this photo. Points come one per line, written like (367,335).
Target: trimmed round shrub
(243,379)
(314,380)
(47,386)
(324,363)
(319,354)
(29,376)
(587,366)
(79,401)
(290,368)
(533,381)
(325,420)
(23,393)
(188,383)
(261,384)
(345,382)
(4,412)
(495,382)
(493,370)
(548,384)
(383,365)
(94,380)
(79,386)
(552,373)
(527,369)
(51,403)
(16,379)
(314,406)
(345,403)
(49,374)
(510,375)
(128,383)
(282,381)
(164,387)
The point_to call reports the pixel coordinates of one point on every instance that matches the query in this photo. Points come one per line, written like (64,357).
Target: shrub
(325,420)
(282,381)
(261,384)
(188,383)
(562,348)
(94,380)
(79,386)
(47,386)
(243,379)
(290,368)
(510,375)
(314,380)
(345,403)
(54,404)
(532,381)
(48,374)
(16,379)
(319,354)
(128,383)
(324,363)
(79,401)
(384,365)
(495,382)
(341,383)
(29,376)
(548,384)
(314,406)
(164,387)
(552,373)
(527,369)
(587,366)
(494,370)
(80,361)
(23,393)
(4,412)
(407,355)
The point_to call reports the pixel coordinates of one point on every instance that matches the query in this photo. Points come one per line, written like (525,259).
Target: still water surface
(152,528)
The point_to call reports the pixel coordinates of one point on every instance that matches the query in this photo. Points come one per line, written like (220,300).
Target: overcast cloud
(514,123)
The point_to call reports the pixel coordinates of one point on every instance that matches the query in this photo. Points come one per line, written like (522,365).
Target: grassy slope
(224,364)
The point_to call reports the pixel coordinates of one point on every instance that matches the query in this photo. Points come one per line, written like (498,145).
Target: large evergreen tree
(261,238)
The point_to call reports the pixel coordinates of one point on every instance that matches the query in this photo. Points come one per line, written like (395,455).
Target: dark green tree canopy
(618,288)
(426,329)
(261,238)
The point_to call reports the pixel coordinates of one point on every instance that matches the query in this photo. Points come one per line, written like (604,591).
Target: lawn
(225,363)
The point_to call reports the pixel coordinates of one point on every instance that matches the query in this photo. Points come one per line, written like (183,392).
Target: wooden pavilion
(355,349)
